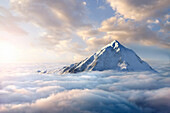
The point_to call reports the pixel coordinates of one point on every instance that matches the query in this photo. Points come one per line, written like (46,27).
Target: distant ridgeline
(113,56)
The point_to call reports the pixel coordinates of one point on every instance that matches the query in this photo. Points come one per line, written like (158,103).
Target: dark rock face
(113,56)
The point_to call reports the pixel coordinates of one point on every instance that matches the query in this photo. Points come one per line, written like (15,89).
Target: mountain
(113,56)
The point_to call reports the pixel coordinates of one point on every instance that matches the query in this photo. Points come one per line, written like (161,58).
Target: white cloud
(59,20)
(9,26)
(86,92)
(132,23)
(126,31)
(8,23)
(138,10)
(66,29)
(79,101)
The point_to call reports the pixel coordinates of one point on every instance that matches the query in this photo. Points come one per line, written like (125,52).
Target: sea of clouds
(23,90)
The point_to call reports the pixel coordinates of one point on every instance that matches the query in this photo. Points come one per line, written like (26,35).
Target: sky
(67,31)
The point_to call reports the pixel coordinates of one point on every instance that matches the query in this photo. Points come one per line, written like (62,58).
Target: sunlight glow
(8,52)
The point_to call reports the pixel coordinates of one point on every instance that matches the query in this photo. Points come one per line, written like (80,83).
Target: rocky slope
(113,56)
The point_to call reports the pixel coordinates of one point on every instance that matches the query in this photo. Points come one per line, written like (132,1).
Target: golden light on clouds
(43,30)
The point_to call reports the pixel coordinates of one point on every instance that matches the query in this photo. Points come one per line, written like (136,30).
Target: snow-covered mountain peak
(115,45)
(113,56)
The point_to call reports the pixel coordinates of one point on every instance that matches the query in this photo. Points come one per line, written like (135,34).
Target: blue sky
(69,30)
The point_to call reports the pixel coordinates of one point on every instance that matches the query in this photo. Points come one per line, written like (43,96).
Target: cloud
(131,31)
(56,17)
(87,92)
(9,24)
(64,27)
(52,15)
(86,33)
(154,100)
(89,101)
(58,22)
(138,10)
(127,31)
(145,22)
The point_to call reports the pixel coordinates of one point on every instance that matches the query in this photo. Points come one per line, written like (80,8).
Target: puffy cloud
(135,21)
(128,31)
(154,100)
(59,22)
(89,101)
(56,17)
(87,92)
(62,23)
(52,15)
(137,9)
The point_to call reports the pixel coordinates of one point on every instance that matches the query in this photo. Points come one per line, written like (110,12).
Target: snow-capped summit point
(115,45)
(113,56)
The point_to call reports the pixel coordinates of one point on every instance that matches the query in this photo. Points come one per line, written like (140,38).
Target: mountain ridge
(113,56)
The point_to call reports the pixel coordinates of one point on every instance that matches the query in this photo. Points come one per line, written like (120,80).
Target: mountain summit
(113,56)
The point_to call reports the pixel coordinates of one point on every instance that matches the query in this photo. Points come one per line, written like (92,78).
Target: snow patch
(108,58)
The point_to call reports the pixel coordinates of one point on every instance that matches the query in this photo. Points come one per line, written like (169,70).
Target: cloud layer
(93,92)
